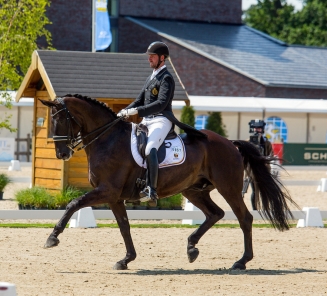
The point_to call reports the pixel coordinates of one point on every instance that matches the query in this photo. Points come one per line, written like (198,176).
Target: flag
(103,36)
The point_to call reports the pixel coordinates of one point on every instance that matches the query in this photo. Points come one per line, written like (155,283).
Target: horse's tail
(273,198)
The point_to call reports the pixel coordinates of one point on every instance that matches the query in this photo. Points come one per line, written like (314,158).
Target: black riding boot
(149,193)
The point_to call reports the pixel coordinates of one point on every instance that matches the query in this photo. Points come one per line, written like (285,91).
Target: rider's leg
(158,128)
(150,190)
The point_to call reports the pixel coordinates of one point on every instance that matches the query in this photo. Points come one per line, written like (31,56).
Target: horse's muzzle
(64,156)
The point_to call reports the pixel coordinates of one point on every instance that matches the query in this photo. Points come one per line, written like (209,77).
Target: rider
(257,127)
(154,104)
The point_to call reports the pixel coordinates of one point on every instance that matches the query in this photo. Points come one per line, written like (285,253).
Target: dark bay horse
(212,162)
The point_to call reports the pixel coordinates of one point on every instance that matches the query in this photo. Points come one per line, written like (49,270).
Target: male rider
(154,104)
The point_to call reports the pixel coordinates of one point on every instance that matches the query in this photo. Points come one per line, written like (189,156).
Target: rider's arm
(164,97)
(139,101)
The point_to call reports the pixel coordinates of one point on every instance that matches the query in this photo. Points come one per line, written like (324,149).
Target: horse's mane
(94,101)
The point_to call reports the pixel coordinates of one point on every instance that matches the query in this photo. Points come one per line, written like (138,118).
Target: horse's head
(65,128)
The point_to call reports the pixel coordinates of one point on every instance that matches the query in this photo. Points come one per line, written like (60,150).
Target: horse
(212,162)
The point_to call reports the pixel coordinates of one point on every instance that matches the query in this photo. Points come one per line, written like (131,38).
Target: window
(276,130)
(201,121)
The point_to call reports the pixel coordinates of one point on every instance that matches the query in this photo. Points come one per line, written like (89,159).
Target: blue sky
(296,3)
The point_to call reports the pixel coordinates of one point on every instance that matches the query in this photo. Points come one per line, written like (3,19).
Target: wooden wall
(47,169)
(50,172)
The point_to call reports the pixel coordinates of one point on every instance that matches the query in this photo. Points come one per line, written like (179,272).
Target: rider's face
(258,129)
(153,60)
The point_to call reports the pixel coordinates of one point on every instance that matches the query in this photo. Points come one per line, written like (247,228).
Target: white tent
(254,104)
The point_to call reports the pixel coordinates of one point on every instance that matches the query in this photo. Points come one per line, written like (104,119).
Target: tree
(22,23)
(279,19)
(188,116)
(215,124)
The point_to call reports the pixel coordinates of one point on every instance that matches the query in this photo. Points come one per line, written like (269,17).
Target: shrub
(171,202)
(188,116)
(62,199)
(215,124)
(4,181)
(36,197)
(40,198)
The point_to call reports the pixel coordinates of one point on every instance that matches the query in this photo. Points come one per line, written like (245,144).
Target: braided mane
(92,100)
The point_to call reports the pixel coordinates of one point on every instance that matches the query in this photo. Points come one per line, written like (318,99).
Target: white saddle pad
(175,154)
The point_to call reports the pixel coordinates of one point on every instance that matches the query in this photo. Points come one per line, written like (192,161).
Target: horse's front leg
(120,213)
(93,197)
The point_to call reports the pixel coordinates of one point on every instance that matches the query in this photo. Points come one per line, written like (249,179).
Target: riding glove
(127,112)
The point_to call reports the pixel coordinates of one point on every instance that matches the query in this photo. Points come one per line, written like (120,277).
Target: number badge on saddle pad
(154,91)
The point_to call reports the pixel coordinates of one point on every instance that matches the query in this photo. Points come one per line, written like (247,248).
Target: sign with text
(7,149)
(305,154)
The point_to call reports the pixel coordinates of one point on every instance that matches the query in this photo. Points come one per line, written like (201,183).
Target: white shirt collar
(155,72)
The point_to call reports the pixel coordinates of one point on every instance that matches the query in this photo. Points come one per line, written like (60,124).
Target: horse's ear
(48,103)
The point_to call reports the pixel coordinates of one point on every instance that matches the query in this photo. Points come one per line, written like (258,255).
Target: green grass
(114,225)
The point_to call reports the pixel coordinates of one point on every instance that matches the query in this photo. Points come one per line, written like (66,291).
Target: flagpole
(93,25)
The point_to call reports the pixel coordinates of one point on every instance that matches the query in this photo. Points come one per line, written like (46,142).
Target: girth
(141,132)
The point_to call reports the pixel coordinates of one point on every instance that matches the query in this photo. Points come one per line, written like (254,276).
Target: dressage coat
(156,99)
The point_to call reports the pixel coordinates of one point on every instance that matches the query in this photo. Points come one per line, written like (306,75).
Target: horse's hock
(44,80)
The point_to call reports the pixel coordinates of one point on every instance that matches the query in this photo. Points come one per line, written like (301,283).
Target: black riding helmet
(159,48)
(255,123)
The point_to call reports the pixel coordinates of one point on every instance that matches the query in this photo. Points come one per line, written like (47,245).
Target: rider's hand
(122,113)
(127,112)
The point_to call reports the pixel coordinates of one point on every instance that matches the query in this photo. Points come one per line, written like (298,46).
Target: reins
(75,141)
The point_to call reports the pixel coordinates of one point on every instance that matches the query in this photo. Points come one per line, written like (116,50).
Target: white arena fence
(132,215)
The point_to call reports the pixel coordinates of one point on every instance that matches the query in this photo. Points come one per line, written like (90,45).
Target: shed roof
(97,75)
(247,51)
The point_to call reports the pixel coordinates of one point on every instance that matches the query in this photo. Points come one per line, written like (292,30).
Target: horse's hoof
(120,266)
(51,242)
(192,254)
(238,266)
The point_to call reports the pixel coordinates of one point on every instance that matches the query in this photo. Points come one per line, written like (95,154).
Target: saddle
(141,133)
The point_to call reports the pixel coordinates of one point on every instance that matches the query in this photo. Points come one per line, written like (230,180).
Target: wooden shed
(113,78)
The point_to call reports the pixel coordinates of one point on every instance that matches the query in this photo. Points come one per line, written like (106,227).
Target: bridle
(71,141)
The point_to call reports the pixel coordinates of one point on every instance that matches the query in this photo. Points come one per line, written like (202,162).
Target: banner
(102,36)
(305,154)
(7,149)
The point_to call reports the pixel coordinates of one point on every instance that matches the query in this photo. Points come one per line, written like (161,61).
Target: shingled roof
(98,75)
(247,51)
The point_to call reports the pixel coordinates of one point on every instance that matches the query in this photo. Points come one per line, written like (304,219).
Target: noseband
(71,141)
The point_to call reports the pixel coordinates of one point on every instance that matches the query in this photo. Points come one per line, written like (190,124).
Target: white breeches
(159,128)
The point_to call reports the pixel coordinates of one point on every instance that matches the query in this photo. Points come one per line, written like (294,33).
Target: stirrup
(145,194)
(148,195)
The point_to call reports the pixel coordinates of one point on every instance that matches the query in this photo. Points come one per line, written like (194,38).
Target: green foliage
(171,202)
(62,199)
(40,198)
(22,23)
(4,181)
(36,197)
(215,124)
(279,19)
(188,116)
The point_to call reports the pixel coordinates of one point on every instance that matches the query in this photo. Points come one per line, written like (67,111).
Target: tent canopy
(254,104)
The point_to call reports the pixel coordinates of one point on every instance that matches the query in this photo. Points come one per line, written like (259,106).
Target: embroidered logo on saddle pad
(175,151)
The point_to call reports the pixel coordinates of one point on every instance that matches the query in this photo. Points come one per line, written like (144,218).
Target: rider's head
(157,54)
(257,126)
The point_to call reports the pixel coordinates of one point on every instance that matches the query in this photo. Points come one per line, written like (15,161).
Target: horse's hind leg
(212,212)
(236,202)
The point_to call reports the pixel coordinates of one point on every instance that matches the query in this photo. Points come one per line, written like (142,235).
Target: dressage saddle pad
(174,153)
